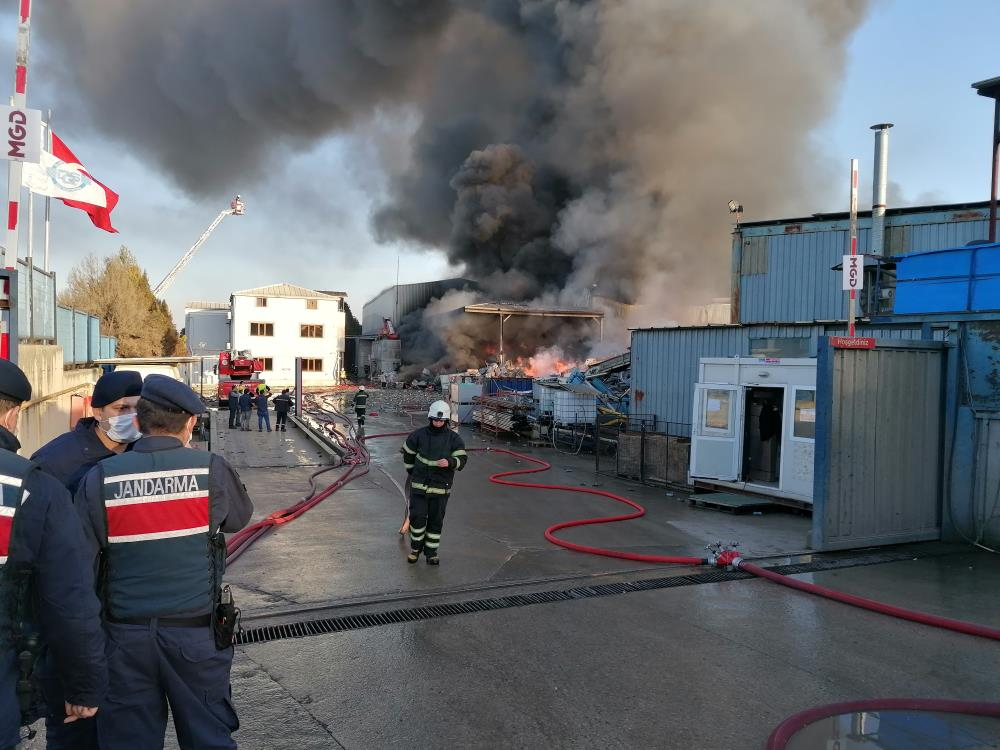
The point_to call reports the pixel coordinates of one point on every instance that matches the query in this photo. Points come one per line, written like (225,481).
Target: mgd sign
(854,276)
(22,134)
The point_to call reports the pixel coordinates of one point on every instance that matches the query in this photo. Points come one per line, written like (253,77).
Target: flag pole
(48,200)
(14,168)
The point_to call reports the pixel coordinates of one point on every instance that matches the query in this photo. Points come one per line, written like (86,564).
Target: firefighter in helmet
(361,405)
(432,455)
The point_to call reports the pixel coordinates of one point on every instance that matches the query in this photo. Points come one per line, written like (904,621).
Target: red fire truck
(237,368)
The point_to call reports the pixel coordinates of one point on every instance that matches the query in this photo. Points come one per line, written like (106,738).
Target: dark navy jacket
(171,500)
(261,401)
(282,403)
(46,537)
(71,455)
(422,450)
(245,401)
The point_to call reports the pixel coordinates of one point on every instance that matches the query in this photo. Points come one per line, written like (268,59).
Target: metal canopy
(990,87)
(538,312)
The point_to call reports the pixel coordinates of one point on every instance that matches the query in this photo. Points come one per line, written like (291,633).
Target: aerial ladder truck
(236,208)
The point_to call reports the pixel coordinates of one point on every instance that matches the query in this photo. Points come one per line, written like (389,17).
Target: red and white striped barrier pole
(20,100)
(852,313)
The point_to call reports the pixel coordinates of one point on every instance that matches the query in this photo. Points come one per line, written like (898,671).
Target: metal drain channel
(267,633)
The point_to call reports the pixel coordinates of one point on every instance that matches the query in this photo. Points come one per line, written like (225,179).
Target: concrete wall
(288,314)
(47,414)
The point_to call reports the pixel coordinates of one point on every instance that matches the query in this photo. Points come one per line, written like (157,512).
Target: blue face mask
(121,429)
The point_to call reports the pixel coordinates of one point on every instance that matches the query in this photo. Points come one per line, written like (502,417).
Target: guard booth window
(781,348)
(717,409)
(805,414)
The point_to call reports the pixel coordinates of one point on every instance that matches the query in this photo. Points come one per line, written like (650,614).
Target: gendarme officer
(47,598)
(154,517)
(109,430)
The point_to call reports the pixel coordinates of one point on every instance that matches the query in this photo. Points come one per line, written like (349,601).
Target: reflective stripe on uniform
(408,449)
(426,461)
(155,475)
(456,454)
(429,490)
(417,534)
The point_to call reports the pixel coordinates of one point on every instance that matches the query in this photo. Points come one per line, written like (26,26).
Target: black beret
(14,384)
(115,385)
(172,394)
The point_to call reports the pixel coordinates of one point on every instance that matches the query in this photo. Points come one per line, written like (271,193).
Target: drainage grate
(306,628)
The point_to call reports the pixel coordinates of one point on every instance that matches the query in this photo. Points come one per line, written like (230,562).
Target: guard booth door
(879,440)
(717,432)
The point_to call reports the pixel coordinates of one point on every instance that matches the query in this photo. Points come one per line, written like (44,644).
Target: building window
(262,329)
(311,304)
(781,348)
(262,302)
(311,332)
(805,414)
(268,363)
(312,365)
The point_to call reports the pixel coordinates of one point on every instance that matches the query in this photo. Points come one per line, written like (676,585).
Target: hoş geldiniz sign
(854,277)
(844,342)
(22,138)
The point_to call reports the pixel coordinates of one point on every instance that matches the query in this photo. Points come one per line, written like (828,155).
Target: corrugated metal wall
(878,446)
(207,331)
(785,268)
(411,297)
(665,362)
(986,498)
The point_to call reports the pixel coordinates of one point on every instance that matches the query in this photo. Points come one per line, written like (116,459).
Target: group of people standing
(243,400)
(108,611)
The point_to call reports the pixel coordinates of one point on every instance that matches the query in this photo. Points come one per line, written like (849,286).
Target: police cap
(14,385)
(116,385)
(172,394)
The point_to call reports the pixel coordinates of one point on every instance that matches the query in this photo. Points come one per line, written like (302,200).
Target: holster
(226,622)
(226,615)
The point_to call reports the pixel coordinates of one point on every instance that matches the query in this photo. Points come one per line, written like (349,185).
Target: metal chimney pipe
(880,180)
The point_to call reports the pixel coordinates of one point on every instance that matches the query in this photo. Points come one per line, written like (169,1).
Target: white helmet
(361,387)
(439,410)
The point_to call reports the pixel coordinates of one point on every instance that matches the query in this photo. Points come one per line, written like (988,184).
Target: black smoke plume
(563,147)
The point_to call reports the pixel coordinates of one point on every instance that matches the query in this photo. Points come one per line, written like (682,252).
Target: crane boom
(235,209)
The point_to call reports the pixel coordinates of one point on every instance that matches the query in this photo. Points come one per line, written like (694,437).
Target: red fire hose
(730,557)
(551,531)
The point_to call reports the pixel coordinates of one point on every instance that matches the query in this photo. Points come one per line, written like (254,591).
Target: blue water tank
(961,279)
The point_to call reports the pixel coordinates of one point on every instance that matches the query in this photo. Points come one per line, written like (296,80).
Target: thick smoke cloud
(563,146)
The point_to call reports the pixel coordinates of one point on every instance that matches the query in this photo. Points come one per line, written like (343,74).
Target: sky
(910,63)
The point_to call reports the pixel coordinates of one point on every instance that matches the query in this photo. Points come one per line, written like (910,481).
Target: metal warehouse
(781,270)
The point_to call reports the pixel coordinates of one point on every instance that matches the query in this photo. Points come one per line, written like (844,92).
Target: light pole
(991,88)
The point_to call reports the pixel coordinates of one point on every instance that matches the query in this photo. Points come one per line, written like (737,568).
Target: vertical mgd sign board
(22,137)
(298,387)
(854,273)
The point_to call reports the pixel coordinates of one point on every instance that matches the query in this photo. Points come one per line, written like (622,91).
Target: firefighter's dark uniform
(430,485)
(46,585)
(153,516)
(68,458)
(361,405)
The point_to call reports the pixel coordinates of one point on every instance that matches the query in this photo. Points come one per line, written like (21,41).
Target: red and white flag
(61,175)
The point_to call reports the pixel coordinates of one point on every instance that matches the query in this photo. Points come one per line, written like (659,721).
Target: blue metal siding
(80,340)
(665,362)
(64,333)
(798,285)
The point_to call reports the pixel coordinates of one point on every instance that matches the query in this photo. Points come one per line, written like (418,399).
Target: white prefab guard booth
(754,426)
